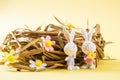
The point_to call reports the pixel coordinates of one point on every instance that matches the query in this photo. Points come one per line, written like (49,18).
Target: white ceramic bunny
(70,49)
(89,48)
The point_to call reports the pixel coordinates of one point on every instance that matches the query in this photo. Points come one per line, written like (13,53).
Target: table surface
(106,70)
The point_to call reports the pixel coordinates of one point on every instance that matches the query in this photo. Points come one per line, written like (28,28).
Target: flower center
(91,55)
(70,26)
(10,58)
(38,63)
(48,43)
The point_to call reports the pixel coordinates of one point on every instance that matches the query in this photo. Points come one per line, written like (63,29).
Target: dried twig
(28,45)
(19,66)
(34,49)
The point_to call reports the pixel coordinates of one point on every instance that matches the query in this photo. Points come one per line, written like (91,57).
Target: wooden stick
(1,63)
(58,20)
(38,28)
(47,55)
(58,52)
(29,44)
(19,66)
(55,56)
(41,33)
(15,39)
(32,52)
(55,66)
(100,52)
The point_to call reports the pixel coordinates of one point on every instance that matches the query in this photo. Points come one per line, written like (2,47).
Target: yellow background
(17,13)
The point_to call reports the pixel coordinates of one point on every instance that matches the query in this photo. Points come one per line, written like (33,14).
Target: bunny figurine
(70,49)
(89,48)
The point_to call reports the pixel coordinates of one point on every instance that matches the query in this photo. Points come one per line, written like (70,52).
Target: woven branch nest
(29,47)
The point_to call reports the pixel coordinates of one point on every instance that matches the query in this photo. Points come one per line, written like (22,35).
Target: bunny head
(88,46)
(70,48)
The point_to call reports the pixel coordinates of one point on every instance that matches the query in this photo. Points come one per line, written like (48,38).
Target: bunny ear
(66,34)
(90,33)
(84,33)
(72,35)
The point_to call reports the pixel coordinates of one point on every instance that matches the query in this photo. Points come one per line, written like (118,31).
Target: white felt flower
(37,64)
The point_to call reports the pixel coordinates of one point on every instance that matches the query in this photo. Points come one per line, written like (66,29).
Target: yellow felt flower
(69,25)
(10,57)
(91,55)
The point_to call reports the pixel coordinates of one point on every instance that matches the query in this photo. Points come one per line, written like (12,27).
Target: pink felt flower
(48,43)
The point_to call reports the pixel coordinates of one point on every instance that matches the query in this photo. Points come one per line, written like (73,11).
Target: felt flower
(90,58)
(10,57)
(37,64)
(47,43)
(89,61)
(69,25)
(91,55)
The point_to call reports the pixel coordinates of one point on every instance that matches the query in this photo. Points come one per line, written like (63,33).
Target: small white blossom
(37,64)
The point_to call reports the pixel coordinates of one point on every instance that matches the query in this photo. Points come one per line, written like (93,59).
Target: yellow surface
(107,70)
